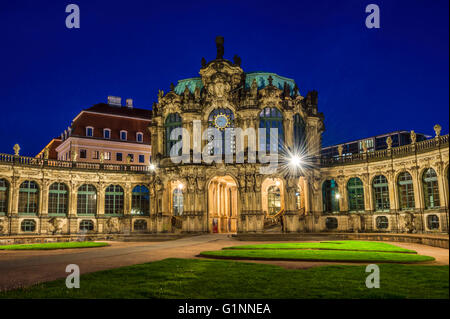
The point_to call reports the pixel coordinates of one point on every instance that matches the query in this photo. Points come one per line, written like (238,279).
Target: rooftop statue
(220,49)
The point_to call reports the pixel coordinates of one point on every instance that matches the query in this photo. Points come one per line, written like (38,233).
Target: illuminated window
(87,200)
(28,225)
(89,131)
(381,193)
(274,200)
(177,202)
(433,222)
(355,191)
(330,196)
(299,133)
(406,191)
(58,199)
(140,201)
(271,117)
(28,198)
(430,188)
(4,192)
(173,121)
(114,200)
(86,225)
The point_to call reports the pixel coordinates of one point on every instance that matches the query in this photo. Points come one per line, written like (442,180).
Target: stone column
(100,207)
(43,207)
(72,209)
(43,198)
(418,189)
(393,202)
(343,200)
(291,216)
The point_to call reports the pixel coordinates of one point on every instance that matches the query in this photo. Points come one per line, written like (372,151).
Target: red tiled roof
(120,110)
(115,118)
(52,154)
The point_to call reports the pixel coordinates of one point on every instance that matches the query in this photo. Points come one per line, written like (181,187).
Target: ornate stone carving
(56,225)
(389,142)
(437,129)
(340,149)
(16,149)
(413,137)
(112,225)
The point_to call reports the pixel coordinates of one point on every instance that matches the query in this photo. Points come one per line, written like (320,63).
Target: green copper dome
(262,80)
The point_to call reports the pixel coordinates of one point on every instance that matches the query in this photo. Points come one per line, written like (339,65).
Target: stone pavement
(24,268)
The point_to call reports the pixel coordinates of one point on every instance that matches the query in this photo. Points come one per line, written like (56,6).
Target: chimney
(114,100)
(130,103)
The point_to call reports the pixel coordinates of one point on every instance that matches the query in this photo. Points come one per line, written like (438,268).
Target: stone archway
(222,205)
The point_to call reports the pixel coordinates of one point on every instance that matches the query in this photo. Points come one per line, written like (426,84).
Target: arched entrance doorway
(222,205)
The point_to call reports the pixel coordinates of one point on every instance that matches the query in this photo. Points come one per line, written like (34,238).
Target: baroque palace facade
(400,189)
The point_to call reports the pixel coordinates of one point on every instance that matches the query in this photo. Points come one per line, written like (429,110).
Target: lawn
(194,278)
(316,255)
(49,246)
(330,245)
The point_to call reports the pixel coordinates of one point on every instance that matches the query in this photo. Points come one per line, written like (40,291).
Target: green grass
(49,246)
(330,245)
(193,278)
(316,255)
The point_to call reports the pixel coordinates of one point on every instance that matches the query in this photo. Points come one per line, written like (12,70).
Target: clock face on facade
(221,121)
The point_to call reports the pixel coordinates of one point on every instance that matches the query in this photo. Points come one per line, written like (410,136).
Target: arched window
(58,199)
(87,200)
(28,198)
(86,225)
(405,191)
(331,223)
(172,122)
(177,202)
(274,200)
(433,222)
(430,188)
(4,191)
(140,224)
(299,133)
(28,225)
(381,193)
(355,191)
(382,222)
(114,200)
(271,117)
(140,200)
(221,119)
(330,196)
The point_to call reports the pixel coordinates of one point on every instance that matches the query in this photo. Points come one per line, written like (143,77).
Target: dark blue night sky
(370,81)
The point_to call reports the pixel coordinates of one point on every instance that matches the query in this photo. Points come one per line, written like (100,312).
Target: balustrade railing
(404,150)
(39,162)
